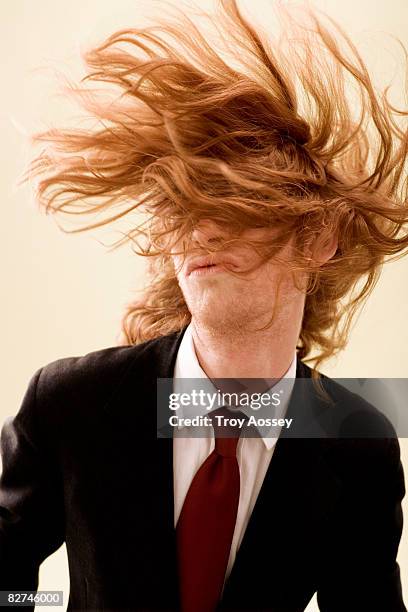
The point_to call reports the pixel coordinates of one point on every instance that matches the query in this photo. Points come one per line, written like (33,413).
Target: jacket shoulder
(350,407)
(74,385)
(363,442)
(97,371)
(354,412)
(92,371)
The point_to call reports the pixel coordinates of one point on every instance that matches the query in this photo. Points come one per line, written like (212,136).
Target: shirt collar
(188,367)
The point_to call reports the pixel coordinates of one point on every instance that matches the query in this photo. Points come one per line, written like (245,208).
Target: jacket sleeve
(31,498)
(360,572)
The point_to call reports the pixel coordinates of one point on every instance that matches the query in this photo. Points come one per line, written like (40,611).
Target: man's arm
(360,571)
(31,498)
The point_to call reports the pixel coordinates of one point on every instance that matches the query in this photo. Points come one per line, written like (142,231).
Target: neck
(262,354)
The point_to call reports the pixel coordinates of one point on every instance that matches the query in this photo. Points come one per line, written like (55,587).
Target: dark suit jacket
(82,464)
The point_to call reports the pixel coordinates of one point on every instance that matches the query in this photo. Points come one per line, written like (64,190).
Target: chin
(222,318)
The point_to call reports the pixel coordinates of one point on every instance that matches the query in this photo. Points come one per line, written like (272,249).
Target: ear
(323,247)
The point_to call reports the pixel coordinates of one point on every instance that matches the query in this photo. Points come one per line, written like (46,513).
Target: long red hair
(291,132)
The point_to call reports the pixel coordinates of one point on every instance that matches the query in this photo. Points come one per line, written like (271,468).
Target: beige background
(64,295)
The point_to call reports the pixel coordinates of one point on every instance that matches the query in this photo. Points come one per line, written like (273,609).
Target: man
(260,221)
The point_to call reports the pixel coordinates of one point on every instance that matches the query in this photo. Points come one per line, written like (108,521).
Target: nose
(207,233)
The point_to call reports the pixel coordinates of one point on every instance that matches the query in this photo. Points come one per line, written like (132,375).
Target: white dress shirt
(253,454)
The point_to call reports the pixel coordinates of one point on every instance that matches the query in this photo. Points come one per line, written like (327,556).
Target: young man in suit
(264,209)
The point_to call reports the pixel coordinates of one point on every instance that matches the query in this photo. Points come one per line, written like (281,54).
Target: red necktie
(207,521)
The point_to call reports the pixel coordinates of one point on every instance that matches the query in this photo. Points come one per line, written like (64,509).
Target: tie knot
(227,425)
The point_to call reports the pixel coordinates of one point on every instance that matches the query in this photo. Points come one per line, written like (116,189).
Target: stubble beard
(233,316)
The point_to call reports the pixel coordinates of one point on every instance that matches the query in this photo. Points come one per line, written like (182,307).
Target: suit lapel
(296,497)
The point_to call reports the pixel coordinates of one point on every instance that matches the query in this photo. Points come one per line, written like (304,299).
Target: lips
(207,263)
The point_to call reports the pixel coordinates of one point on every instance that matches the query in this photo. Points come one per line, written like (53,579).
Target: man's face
(219,300)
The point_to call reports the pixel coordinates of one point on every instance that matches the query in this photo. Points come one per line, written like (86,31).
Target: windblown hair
(287,133)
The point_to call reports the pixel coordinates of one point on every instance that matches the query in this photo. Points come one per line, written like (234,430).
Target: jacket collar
(156,359)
